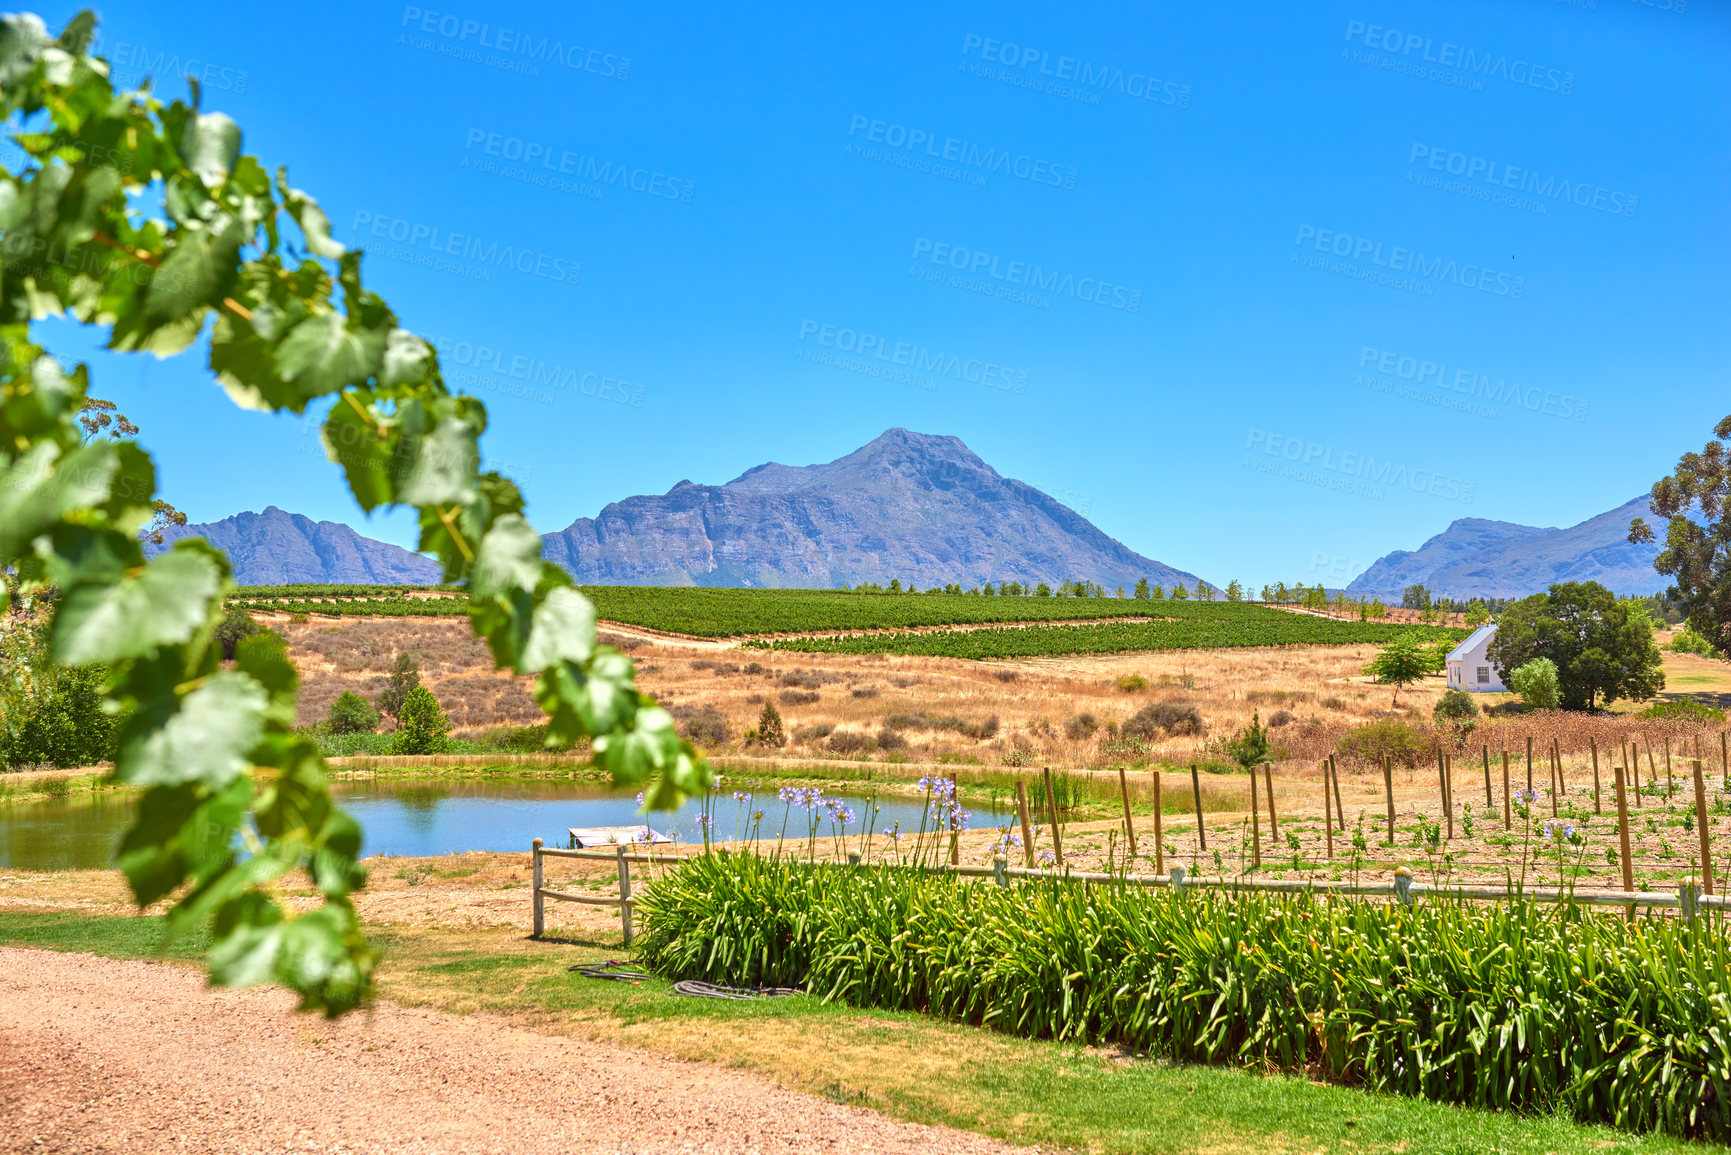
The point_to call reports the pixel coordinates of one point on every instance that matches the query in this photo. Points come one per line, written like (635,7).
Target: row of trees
(1077,588)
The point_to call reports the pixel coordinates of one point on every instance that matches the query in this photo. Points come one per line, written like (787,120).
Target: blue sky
(1265,290)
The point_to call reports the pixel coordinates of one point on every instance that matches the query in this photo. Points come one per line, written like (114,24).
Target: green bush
(1684,710)
(60,721)
(1522,1006)
(236,627)
(422,727)
(1537,685)
(1132,683)
(1385,736)
(1163,717)
(351,714)
(1687,641)
(1455,706)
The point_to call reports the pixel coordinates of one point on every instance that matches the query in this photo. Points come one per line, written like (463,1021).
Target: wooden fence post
(535,882)
(1489,801)
(1027,827)
(1196,790)
(1595,744)
(1268,783)
(1632,756)
(1129,822)
(1701,825)
(1052,812)
(1670,783)
(1529,764)
(1442,778)
(1339,810)
(1327,812)
(1623,835)
(1556,777)
(1388,789)
(1508,814)
(1159,830)
(624,892)
(1255,824)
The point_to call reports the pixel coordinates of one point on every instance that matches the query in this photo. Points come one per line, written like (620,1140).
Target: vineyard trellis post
(1327,813)
(1255,824)
(1442,778)
(1027,827)
(1388,791)
(1623,835)
(1159,830)
(536,879)
(1529,765)
(1268,781)
(1052,813)
(1632,758)
(1594,743)
(1556,770)
(1508,813)
(1339,810)
(624,891)
(1196,792)
(1489,801)
(1130,822)
(1701,825)
(1670,783)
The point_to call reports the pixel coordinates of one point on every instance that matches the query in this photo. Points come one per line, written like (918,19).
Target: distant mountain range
(913,506)
(1478,558)
(278,548)
(921,508)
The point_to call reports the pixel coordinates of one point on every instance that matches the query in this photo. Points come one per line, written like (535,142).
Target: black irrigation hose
(612,970)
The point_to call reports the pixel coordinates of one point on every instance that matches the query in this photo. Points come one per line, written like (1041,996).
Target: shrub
(798,697)
(1385,736)
(803,679)
(907,722)
(1684,710)
(405,676)
(1333,704)
(1249,746)
(1080,727)
(1131,683)
(754,668)
(769,729)
(1279,718)
(236,627)
(1455,706)
(812,733)
(351,714)
(1167,717)
(889,739)
(1006,675)
(1528,1006)
(866,691)
(845,742)
(1537,684)
(422,727)
(1688,641)
(1019,757)
(61,722)
(702,725)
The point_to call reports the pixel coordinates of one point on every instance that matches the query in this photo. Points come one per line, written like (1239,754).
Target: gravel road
(104,1055)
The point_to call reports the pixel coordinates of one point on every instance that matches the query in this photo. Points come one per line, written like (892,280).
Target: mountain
(1478,558)
(909,505)
(275,548)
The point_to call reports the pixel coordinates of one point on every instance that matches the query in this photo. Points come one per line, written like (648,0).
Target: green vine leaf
(163,604)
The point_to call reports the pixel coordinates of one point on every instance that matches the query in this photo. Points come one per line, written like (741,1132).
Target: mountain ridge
(277,547)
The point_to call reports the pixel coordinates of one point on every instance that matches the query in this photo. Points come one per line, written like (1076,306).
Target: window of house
(1484,675)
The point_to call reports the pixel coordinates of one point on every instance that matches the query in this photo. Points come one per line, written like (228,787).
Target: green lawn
(906,1065)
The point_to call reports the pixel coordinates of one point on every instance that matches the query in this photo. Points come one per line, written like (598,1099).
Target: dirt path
(105,1055)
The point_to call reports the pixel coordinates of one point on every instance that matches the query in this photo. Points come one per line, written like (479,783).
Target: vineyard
(1246,625)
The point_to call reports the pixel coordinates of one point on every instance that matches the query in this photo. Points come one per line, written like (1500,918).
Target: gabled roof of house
(1482,634)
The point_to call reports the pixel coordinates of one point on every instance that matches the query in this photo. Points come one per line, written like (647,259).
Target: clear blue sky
(1315,223)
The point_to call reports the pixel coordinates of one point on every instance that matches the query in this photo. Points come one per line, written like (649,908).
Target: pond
(421,819)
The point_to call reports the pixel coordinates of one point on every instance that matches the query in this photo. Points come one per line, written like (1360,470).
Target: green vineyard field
(1267,628)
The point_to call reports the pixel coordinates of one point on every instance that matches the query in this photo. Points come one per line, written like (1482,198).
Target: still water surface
(419,819)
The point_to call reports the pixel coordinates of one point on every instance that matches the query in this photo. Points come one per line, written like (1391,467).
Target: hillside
(908,505)
(276,547)
(1478,558)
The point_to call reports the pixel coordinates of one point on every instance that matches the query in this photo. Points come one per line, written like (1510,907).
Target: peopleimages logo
(135,62)
(953,150)
(561,162)
(1350,472)
(973,263)
(1467,63)
(1395,260)
(428,244)
(902,361)
(523,51)
(1037,69)
(1468,385)
(521,374)
(1478,170)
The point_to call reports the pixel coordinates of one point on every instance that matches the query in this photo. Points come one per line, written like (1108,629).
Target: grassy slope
(905,1065)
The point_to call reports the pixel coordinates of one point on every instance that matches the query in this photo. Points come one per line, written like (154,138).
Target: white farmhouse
(1469,668)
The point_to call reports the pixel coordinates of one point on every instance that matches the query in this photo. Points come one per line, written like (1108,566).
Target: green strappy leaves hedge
(150,223)
(1524,1006)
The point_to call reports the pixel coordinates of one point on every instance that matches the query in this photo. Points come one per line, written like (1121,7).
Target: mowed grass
(905,1065)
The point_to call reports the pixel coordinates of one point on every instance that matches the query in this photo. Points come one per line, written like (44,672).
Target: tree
(1204,591)
(1477,614)
(1455,706)
(769,728)
(166,235)
(1537,684)
(405,676)
(895,585)
(1234,591)
(1415,597)
(1141,590)
(1042,590)
(237,626)
(1249,747)
(1179,593)
(351,714)
(1602,648)
(1695,503)
(97,417)
(422,726)
(1157,593)
(49,716)
(1399,663)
